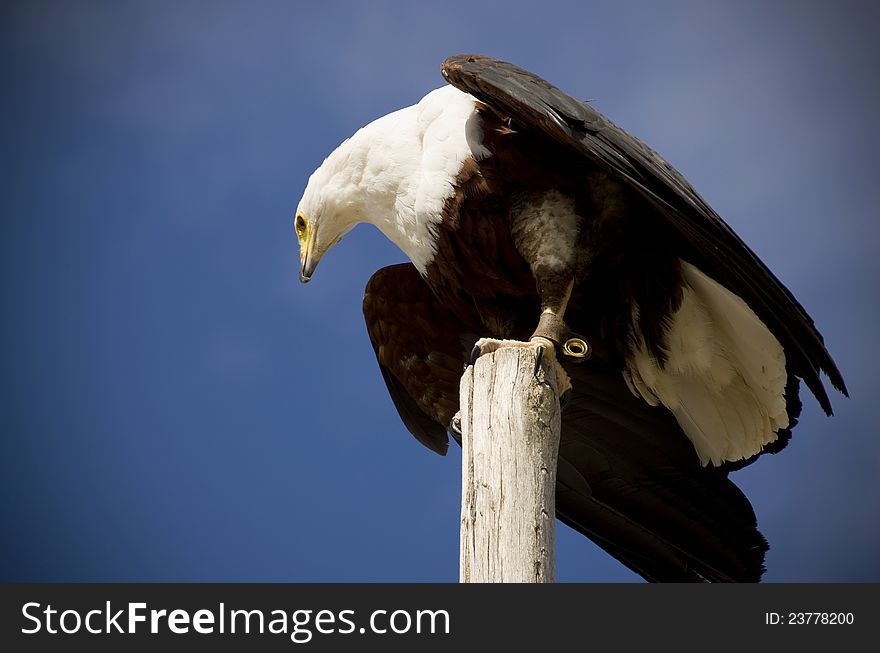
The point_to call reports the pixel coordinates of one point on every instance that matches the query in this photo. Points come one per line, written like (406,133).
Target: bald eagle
(527,215)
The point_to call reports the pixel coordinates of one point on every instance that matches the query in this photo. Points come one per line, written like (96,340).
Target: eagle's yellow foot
(543,348)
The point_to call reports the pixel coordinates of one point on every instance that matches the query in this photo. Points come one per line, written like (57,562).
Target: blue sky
(175,406)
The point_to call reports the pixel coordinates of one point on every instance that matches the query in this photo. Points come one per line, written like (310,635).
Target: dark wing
(628,478)
(418,349)
(531,103)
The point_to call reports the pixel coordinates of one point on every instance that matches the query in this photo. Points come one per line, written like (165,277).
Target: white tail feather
(724,377)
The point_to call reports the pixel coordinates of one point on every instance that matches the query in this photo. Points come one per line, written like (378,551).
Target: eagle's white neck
(398,172)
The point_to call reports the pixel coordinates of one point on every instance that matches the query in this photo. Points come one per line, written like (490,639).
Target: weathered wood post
(510,421)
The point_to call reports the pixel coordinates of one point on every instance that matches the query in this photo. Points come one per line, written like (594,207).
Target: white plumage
(396,173)
(724,379)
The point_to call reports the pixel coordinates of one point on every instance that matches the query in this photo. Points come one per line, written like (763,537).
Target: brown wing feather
(628,478)
(418,349)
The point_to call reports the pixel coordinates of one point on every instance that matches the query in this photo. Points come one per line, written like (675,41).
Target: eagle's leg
(546,226)
(555,293)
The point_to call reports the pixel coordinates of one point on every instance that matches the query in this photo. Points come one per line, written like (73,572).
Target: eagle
(529,216)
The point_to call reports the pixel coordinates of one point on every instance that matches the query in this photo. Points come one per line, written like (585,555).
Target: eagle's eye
(300,225)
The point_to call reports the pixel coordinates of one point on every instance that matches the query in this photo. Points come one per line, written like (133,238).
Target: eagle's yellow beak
(306,236)
(306,261)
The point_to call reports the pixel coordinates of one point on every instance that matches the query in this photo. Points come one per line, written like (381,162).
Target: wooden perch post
(510,421)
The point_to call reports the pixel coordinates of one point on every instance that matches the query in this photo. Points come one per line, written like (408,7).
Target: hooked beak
(307,263)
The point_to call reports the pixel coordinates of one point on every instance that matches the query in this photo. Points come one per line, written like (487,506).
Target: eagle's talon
(474,355)
(454,427)
(564,398)
(539,356)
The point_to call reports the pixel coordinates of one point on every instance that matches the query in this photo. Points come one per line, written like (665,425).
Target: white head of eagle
(396,173)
